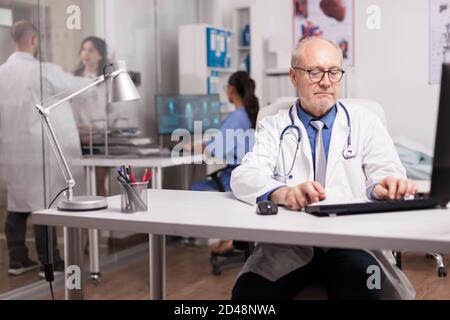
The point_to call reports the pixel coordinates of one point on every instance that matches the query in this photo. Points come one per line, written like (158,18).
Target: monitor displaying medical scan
(180,112)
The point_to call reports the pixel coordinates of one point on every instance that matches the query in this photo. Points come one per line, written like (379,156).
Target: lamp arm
(46,110)
(100,79)
(59,154)
(44,113)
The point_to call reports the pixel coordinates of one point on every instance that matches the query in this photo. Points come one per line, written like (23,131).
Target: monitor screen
(180,112)
(440,181)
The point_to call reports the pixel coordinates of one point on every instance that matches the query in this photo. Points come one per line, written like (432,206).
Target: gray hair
(295,57)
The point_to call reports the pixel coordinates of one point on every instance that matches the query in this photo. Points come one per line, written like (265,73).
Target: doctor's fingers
(405,188)
(319,187)
(401,188)
(381,192)
(295,200)
(411,188)
(301,198)
(292,204)
(391,185)
(309,191)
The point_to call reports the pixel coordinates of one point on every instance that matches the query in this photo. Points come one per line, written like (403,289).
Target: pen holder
(133,197)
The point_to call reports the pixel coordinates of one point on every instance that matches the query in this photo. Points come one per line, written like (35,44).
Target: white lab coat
(375,159)
(90,109)
(22,135)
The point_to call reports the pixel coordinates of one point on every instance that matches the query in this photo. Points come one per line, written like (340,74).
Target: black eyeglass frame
(323,74)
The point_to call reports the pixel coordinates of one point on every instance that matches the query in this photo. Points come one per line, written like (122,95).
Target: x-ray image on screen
(181,111)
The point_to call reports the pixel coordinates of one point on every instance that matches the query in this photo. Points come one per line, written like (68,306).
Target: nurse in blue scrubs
(241,93)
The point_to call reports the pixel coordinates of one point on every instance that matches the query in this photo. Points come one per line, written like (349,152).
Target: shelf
(223,70)
(277,71)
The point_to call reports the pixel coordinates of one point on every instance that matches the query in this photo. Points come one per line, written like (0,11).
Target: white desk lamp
(122,89)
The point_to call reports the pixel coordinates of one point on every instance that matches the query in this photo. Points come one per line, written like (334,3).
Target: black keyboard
(371,207)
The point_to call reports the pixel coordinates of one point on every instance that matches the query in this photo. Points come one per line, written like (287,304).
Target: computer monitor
(440,182)
(180,111)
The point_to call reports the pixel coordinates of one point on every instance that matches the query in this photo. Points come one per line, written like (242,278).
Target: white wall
(391,67)
(268,19)
(391,64)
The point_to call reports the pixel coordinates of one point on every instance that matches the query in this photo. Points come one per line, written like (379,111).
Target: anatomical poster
(331,19)
(439,38)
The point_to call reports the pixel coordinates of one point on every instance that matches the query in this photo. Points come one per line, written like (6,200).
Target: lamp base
(83,203)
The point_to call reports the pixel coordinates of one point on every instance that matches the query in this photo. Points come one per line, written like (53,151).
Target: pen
(144,176)
(149,176)
(121,174)
(129,191)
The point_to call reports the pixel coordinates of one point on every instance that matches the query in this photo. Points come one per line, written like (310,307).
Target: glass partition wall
(76,39)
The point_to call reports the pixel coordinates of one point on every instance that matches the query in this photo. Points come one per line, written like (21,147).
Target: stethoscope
(348,152)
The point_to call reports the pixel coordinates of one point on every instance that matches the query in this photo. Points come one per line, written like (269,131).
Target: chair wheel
(216,270)
(442,272)
(95,278)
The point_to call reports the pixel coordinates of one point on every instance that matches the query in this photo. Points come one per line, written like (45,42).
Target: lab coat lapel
(338,141)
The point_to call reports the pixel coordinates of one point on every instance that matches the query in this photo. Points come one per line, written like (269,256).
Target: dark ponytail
(245,87)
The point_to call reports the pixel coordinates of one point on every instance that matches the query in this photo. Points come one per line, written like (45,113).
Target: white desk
(219,215)
(155,162)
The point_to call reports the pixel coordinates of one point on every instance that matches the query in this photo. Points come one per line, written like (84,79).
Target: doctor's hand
(298,197)
(393,188)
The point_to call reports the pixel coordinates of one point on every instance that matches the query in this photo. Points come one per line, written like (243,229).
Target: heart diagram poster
(439,38)
(330,19)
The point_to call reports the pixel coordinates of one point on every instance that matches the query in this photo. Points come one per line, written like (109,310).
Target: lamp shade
(122,87)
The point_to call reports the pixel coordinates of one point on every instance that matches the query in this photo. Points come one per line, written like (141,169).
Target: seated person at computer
(241,93)
(303,155)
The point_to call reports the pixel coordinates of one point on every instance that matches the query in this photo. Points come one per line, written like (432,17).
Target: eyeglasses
(317,75)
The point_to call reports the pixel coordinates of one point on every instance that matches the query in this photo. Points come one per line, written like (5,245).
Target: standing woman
(241,93)
(90,110)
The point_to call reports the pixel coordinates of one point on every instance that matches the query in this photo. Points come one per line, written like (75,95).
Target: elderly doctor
(316,164)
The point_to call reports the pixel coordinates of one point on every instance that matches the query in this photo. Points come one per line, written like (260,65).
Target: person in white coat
(319,170)
(32,181)
(90,111)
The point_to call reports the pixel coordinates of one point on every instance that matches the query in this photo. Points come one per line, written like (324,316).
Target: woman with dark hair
(90,110)
(241,93)
(93,56)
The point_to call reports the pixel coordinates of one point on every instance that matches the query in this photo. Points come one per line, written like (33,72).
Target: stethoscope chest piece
(349,153)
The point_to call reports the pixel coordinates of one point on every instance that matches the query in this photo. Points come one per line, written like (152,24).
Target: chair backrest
(287,102)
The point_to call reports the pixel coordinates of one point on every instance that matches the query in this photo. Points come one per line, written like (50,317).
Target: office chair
(374,107)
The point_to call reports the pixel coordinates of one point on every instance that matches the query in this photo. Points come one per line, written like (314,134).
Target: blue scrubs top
(232,149)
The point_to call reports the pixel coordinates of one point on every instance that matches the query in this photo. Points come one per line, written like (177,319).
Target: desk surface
(149,161)
(219,215)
